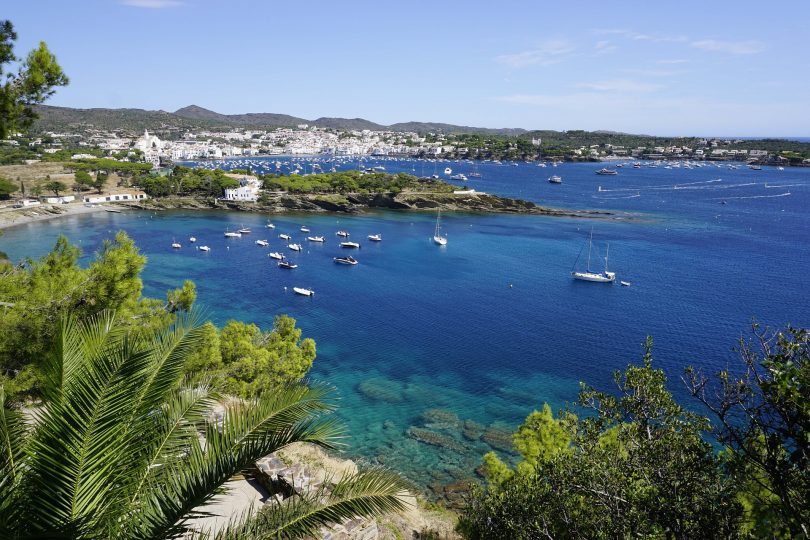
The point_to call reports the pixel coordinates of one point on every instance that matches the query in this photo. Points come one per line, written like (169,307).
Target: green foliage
(7,187)
(35,81)
(352,182)
(247,361)
(109,165)
(184,181)
(764,419)
(117,449)
(43,291)
(55,187)
(83,179)
(635,465)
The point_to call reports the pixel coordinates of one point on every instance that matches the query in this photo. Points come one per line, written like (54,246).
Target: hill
(193,116)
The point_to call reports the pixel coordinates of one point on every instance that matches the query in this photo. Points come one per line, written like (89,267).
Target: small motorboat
(294,247)
(192,239)
(304,229)
(229,234)
(375,237)
(345,260)
(555,179)
(176,245)
(204,248)
(315,238)
(287,264)
(625,283)
(244,230)
(448,171)
(303,292)
(270,226)
(276,255)
(263,243)
(344,234)
(284,236)
(607,172)
(458,177)
(349,245)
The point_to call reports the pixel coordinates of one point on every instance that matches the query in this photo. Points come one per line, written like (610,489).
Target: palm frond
(370,493)
(13,431)
(248,431)
(79,444)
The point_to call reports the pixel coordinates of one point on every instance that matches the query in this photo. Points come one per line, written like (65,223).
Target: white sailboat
(588,275)
(437,233)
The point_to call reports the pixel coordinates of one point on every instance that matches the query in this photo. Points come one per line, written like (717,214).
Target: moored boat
(192,239)
(263,243)
(375,237)
(294,247)
(229,234)
(304,229)
(244,230)
(345,260)
(275,255)
(588,275)
(555,179)
(437,233)
(303,292)
(349,245)
(176,245)
(607,172)
(204,248)
(287,265)
(284,236)
(344,234)
(315,239)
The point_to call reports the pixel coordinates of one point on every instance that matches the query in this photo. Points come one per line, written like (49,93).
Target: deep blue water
(415,327)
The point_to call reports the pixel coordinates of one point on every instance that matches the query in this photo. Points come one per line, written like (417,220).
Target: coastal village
(312,140)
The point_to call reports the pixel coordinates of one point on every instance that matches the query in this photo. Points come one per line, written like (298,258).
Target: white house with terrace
(248,189)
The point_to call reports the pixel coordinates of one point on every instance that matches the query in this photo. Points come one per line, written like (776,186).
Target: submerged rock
(381,389)
(434,439)
(472,430)
(440,419)
(499,438)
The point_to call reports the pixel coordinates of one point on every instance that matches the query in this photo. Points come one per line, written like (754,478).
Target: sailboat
(588,275)
(437,234)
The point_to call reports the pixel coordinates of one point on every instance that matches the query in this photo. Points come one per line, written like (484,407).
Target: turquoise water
(430,348)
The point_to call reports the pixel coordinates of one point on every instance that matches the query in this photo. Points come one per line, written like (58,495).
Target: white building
(64,199)
(248,189)
(115,197)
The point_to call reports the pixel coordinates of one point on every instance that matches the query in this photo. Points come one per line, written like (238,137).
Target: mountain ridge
(54,118)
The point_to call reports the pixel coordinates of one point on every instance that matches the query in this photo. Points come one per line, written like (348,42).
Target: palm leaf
(248,431)
(13,431)
(366,494)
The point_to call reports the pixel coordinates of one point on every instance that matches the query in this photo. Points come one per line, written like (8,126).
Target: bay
(418,339)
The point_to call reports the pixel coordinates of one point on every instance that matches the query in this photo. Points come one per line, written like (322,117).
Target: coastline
(479,203)
(13,217)
(356,203)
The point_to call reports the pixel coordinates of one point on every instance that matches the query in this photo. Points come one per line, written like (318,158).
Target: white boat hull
(440,240)
(303,292)
(608,277)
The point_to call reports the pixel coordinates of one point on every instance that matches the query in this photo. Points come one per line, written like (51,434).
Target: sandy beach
(11,217)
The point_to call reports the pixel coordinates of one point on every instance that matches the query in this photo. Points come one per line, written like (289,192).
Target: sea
(438,353)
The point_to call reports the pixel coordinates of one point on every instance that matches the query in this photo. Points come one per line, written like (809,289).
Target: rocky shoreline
(356,203)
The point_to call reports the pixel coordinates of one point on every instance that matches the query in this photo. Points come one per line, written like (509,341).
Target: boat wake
(787,193)
(710,185)
(637,195)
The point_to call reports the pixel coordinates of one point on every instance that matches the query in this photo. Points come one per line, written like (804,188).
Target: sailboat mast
(590,241)
(607,252)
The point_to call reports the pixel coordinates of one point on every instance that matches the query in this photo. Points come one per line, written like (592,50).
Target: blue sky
(669,68)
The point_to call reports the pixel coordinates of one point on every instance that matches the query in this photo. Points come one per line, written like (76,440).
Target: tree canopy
(636,464)
(35,81)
